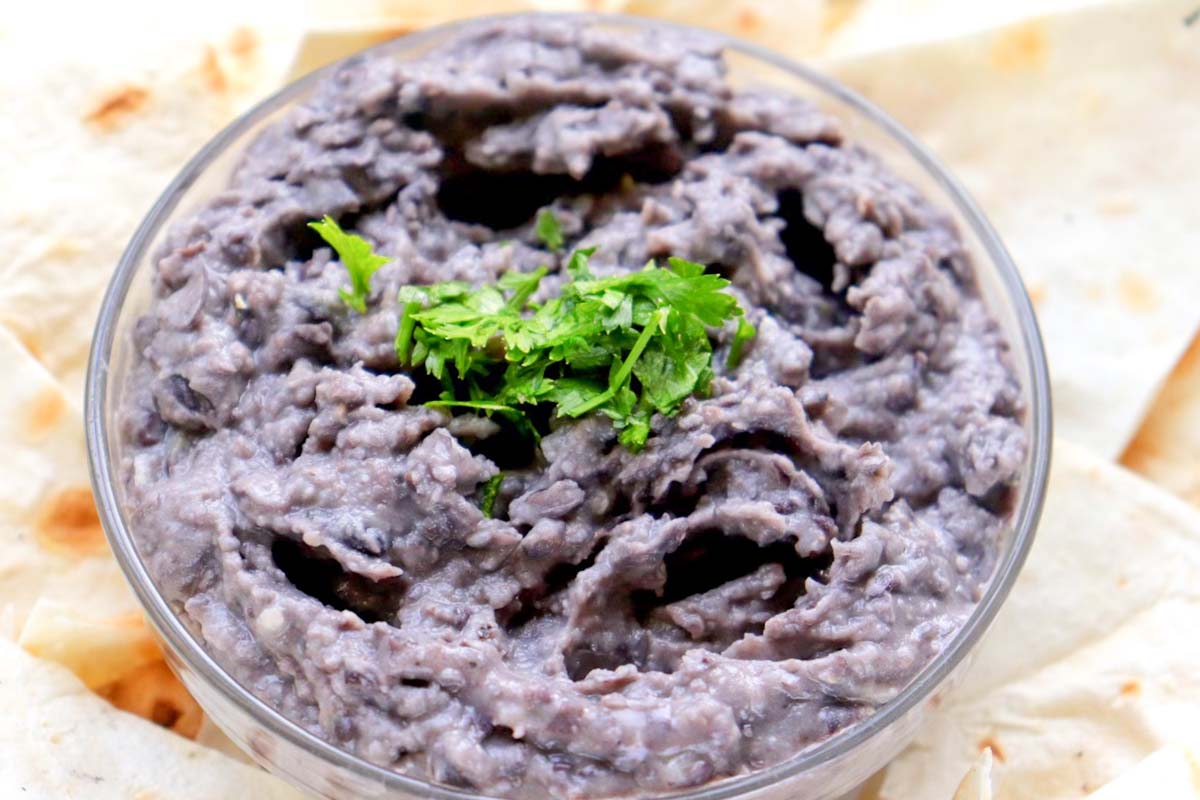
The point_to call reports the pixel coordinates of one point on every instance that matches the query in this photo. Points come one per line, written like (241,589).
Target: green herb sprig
(491,488)
(625,346)
(357,256)
(548,230)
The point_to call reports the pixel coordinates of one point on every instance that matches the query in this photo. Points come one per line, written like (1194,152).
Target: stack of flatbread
(1073,124)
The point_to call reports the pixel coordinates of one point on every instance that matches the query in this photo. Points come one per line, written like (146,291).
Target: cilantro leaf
(357,256)
(626,346)
(744,333)
(487,500)
(577,265)
(548,230)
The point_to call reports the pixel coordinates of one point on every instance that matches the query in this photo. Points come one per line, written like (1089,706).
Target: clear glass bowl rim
(196,659)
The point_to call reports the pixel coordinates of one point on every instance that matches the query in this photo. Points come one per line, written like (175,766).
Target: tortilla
(53,545)
(1088,668)
(1166,448)
(856,27)
(977,784)
(1089,198)
(100,650)
(1172,773)
(96,137)
(799,28)
(62,741)
(336,31)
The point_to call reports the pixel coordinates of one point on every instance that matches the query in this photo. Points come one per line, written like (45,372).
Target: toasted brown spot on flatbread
(63,247)
(116,106)
(47,409)
(153,692)
(212,72)
(1131,688)
(1037,294)
(1117,207)
(1136,293)
(990,743)
(243,44)
(1021,47)
(748,21)
(836,14)
(68,523)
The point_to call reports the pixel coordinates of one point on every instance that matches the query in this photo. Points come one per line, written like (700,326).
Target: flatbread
(800,28)
(1091,665)
(51,542)
(61,741)
(120,97)
(1076,134)
(977,784)
(62,596)
(1166,449)
(1172,773)
(856,27)
(335,30)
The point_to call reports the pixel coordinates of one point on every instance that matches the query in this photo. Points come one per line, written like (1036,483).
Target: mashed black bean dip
(779,559)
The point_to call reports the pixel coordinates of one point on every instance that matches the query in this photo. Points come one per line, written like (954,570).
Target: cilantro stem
(745,332)
(521,295)
(405,334)
(576,352)
(514,414)
(656,322)
(479,405)
(487,503)
(623,373)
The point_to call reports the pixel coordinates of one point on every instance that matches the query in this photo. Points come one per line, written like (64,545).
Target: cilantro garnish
(548,231)
(625,346)
(487,500)
(744,333)
(360,261)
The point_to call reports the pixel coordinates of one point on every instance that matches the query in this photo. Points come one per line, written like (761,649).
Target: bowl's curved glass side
(823,772)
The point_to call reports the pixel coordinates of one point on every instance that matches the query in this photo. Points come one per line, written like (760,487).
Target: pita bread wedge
(1075,133)
(95,128)
(336,31)
(53,545)
(1166,448)
(1091,665)
(1172,773)
(61,741)
(62,595)
(99,649)
(977,783)
(854,27)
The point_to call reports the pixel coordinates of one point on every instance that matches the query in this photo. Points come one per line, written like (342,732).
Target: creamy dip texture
(781,558)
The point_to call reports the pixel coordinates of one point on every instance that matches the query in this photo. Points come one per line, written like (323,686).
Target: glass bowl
(822,772)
